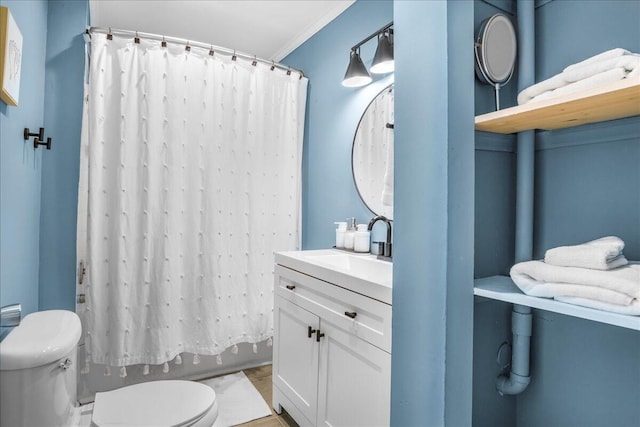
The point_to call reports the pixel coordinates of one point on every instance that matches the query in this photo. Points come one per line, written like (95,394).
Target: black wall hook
(28,133)
(39,138)
(37,142)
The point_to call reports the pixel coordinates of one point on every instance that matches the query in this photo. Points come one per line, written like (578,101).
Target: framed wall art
(10,57)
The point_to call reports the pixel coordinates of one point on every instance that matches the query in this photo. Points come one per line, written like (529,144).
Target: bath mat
(238,400)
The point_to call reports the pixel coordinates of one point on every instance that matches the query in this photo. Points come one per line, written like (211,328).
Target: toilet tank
(38,370)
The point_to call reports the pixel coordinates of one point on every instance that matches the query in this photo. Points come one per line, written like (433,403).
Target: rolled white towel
(600,254)
(628,62)
(612,53)
(596,80)
(535,277)
(632,309)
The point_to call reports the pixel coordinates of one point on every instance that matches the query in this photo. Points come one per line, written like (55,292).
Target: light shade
(383,59)
(357,74)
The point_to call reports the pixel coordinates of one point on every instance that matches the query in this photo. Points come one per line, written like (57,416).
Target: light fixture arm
(375,34)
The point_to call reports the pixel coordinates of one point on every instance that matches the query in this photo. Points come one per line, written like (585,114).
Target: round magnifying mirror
(372,155)
(495,52)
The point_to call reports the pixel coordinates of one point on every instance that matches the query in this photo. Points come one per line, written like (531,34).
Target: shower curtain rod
(188,44)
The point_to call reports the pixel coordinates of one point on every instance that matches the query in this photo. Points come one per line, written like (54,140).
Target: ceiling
(269,29)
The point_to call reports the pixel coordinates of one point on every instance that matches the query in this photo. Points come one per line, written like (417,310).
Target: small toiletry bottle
(362,239)
(349,235)
(340,231)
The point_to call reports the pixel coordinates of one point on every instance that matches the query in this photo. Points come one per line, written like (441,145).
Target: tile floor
(260,377)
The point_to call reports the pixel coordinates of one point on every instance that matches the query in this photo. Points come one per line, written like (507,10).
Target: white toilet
(38,384)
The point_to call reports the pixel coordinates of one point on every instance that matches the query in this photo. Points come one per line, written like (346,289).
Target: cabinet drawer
(372,318)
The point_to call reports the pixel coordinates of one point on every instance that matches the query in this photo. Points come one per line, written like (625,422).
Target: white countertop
(361,273)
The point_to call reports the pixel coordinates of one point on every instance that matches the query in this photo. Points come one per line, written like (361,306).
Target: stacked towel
(612,65)
(616,290)
(599,254)
(594,274)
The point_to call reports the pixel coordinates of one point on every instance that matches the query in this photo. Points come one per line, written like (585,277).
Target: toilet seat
(170,403)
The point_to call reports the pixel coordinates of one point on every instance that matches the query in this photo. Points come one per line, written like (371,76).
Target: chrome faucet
(385,251)
(10,315)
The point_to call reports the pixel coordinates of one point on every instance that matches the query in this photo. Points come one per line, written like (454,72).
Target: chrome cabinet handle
(351,314)
(319,335)
(65,364)
(310,332)
(291,287)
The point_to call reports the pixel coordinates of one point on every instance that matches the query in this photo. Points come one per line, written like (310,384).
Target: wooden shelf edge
(610,101)
(502,288)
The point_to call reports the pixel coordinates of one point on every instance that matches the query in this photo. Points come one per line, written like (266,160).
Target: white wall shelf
(611,101)
(502,288)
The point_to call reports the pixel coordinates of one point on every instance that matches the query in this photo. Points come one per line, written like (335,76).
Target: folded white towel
(628,62)
(535,277)
(600,254)
(618,59)
(596,80)
(632,309)
(544,86)
(613,53)
(552,290)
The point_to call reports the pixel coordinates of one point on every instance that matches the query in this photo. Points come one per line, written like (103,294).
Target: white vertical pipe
(521,317)
(526,139)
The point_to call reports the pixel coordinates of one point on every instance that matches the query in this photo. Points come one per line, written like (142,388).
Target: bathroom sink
(357,265)
(362,273)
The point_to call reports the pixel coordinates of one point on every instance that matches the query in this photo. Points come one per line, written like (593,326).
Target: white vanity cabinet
(331,354)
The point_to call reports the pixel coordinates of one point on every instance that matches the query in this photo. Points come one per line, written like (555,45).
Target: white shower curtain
(190,180)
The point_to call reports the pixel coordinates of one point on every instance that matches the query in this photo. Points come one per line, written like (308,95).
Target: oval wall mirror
(372,155)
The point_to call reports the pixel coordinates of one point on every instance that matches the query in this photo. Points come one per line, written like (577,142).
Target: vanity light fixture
(357,74)
(383,59)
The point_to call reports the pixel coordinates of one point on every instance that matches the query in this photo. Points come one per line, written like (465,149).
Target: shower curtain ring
(289,71)
(188,46)
(136,39)
(164,42)
(234,57)
(255,61)
(273,65)
(109,35)
(211,51)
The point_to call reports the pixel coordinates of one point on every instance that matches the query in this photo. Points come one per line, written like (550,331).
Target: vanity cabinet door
(354,381)
(295,355)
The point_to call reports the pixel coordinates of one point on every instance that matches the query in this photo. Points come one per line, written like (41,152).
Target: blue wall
(430,169)
(63,119)
(333,113)
(494,241)
(433,263)
(20,165)
(583,373)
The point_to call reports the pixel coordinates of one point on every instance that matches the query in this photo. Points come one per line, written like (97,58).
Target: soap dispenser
(340,232)
(350,234)
(362,238)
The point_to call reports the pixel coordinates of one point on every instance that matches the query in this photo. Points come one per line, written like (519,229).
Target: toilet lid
(156,403)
